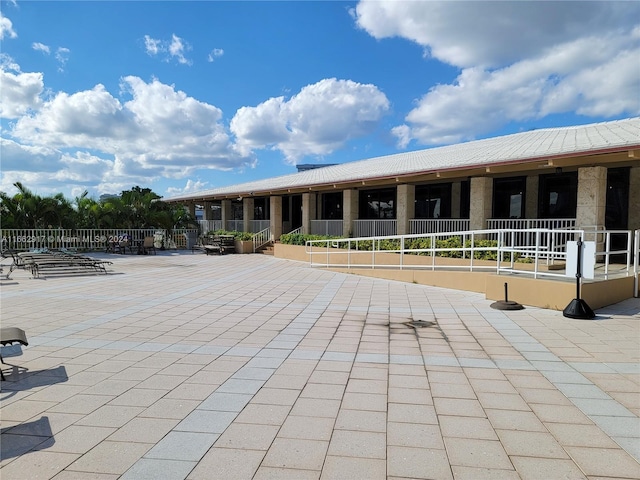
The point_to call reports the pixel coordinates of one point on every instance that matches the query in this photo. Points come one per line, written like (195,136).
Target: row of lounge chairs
(58,262)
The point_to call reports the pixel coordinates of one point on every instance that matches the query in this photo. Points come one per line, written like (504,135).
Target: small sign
(588,259)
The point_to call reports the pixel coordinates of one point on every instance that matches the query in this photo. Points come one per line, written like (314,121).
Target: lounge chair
(9,336)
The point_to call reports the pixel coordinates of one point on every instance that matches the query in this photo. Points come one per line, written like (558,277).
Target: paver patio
(183,365)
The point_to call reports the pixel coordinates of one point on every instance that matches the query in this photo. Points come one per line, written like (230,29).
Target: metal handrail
(261,238)
(327,252)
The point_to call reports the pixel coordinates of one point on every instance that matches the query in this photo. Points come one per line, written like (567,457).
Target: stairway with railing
(261,238)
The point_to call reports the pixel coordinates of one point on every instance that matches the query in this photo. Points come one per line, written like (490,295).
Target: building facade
(582,176)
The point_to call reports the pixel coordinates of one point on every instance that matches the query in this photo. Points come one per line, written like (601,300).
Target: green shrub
(244,236)
(301,239)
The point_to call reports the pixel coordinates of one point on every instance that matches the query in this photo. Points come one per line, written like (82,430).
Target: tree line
(135,208)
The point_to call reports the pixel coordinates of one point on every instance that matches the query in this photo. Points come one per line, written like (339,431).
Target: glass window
(509,197)
(433,201)
(236,210)
(331,208)
(558,195)
(261,208)
(377,204)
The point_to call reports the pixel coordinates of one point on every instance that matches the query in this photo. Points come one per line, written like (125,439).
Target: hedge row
(410,244)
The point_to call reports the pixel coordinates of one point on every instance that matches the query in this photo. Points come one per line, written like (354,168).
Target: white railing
(258,225)
(464,250)
(522,231)
(374,228)
(88,239)
(261,238)
(330,228)
(207,226)
(295,231)
(636,263)
(437,225)
(235,225)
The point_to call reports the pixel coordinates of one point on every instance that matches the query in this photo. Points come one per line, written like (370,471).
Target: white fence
(374,228)
(90,239)
(332,228)
(438,225)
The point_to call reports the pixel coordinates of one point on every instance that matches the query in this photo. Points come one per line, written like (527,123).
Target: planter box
(244,246)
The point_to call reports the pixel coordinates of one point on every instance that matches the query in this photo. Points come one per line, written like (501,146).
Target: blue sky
(187,96)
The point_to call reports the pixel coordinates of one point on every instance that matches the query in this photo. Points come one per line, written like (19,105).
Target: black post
(578,308)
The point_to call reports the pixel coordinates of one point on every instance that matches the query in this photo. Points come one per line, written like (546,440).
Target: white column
(349,210)
(308,211)
(481,202)
(275,216)
(592,197)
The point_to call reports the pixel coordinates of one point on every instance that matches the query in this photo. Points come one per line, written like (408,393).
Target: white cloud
(152,46)
(20,91)
(318,120)
(41,47)
(62,56)
(6,28)
(523,61)
(492,34)
(170,49)
(215,53)
(158,132)
(191,186)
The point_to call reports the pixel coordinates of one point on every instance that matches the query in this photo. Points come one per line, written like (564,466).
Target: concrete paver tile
(276,396)
(247,436)
(532,468)
(41,464)
(580,435)
(467,427)
(70,475)
(477,453)
(530,444)
(170,408)
(544,396)
(452,390)
(502,401)
(310,428)
(353,468)
(273,473)
(407,413)
(414,396)
(351,443)
(152,469)
(515,420)
(458,407)
(323,391)
(187,446)
(206,421)
(138,397)
(361,420)
(110,457)
(192,391)
(605,462)
(559,413)
(79,439)
(409,381)
(24,410)
(225,402)
(227,463)
(296,382)
(365,401)
(110,416)
(261,414)
(144,430)
(414,435)
(296,454)
(471,473)
(418,463)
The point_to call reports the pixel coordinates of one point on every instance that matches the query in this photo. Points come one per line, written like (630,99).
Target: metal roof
(522,147)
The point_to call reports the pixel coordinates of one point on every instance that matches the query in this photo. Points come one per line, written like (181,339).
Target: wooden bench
(220,245)
(9,336)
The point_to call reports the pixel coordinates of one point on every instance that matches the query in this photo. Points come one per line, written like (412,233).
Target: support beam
(308,211)
(349,211)
(406,208)
(481,202)
(275,219)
